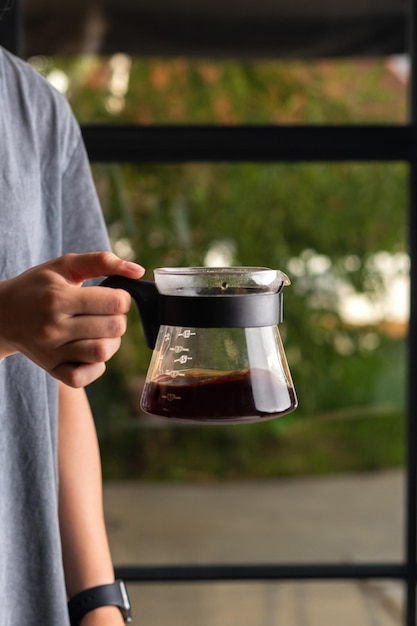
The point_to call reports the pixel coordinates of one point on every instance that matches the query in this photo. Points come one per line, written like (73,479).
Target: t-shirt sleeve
(83,225)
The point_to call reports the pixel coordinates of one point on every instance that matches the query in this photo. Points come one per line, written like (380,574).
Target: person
(56,335)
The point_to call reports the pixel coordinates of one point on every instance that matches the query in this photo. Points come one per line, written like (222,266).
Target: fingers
(92,355)
(93,327)
(77,268)
(97,301)
(78,375)
(90,351)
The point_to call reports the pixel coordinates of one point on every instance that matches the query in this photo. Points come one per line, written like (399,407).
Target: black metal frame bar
(173,144)
(411,475)
(170,144)
(11,25)
(256,572)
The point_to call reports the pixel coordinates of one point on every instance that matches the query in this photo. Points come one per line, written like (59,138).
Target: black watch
(114,594)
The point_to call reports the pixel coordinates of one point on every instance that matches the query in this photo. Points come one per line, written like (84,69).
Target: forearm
(86,554)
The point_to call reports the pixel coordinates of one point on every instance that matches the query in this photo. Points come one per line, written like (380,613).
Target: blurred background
(326,483)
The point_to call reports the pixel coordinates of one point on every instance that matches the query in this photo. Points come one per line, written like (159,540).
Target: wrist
(91,606)
(4,355)
(6,348)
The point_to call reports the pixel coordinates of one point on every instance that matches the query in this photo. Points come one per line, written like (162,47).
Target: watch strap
(113,594)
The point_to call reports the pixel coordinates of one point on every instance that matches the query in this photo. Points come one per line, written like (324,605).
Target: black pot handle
(146,296)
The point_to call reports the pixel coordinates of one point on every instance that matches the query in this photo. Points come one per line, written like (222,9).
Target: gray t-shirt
(48,206)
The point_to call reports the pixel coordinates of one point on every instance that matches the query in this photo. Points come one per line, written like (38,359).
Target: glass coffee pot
(217,351)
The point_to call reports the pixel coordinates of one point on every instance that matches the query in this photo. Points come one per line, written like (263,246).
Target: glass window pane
(126,89)
(312,603)
(338,518)
(338,230)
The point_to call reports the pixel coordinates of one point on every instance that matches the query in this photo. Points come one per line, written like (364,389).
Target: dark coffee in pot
(204,396)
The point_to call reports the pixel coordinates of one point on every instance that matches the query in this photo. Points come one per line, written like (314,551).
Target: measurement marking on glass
(187,334)
(170,397)
(183,359)
(175,373)
(178,349)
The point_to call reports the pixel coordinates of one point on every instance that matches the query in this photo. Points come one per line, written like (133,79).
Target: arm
(86,553)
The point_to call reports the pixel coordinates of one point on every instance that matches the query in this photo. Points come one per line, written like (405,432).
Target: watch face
(125,608)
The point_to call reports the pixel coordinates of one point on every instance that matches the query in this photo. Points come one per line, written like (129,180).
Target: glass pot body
(218,374)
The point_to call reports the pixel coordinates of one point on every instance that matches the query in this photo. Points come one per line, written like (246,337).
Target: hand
(68,330)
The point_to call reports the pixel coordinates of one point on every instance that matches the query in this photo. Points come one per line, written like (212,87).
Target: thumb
(76,268)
